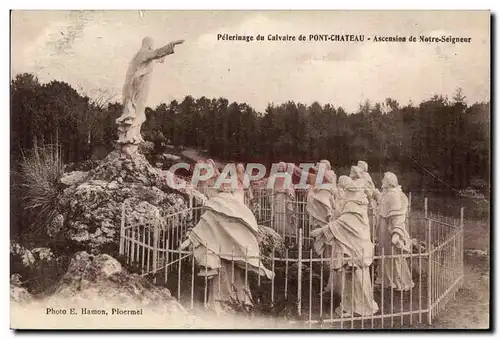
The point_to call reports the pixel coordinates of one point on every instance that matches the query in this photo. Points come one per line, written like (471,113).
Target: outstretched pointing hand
(177,42)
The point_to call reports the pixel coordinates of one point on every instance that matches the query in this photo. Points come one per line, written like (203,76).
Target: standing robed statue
(136,90)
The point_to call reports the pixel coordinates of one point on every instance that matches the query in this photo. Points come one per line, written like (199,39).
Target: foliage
(438,146)
(41,170)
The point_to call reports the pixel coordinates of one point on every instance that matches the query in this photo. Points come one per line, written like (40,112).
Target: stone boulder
(165,160)
(93,286)
(21,256)
(101,278)
(19,295)
(39,267)
(146,147)
(92,209)
(72,178)
(173,157)
(82,166)
(56,226)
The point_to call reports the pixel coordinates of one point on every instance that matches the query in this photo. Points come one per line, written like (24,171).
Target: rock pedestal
(92,206)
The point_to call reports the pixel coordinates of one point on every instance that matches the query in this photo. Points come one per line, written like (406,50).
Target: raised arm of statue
(162,51)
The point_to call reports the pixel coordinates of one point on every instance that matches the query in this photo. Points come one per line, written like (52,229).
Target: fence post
(310,285)
(179,272)
(271,207)
(425,207)
(155,245)
(429,272)
(191,249)
(461,244)
(299,276)
(191,205)
(409,212)
(122,231)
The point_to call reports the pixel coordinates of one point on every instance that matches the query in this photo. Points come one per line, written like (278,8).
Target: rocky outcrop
(172,157)
(72,178)
(21,255)
(29,258)
(146,147)
(82,166)
(35,269)
(56,226)
(102,278)
(19,294)
(98,283)
(92,208)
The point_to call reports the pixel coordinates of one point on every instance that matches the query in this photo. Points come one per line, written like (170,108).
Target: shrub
(41,170)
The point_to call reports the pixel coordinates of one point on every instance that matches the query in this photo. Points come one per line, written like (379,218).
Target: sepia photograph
(250,169)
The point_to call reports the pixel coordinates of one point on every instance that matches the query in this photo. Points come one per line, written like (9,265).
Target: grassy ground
(470,309)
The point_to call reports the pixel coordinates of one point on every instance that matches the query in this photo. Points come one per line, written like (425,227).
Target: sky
(92,49)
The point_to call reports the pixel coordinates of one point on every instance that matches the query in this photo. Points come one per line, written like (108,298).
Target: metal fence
(297,291)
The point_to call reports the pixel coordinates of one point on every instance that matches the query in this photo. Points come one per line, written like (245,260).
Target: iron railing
(297,291)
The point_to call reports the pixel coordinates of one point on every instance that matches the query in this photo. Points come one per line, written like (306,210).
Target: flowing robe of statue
(393,236)
(359,173)
(244,183)
(352,252)
(226,246)
(136,89)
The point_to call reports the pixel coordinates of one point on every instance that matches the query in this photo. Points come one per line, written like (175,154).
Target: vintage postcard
(250,169)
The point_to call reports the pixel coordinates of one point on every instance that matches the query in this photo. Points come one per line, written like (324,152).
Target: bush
(41,170)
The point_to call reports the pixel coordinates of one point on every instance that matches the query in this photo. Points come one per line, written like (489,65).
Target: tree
(447,138)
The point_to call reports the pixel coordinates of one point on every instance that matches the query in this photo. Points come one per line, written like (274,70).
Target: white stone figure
(244,184)
(365,175)
(207,186)
(330,174)
(359,175)
(330,178)
(136,90)
(348,237)
(393,235)
(225,244)
(371,191)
